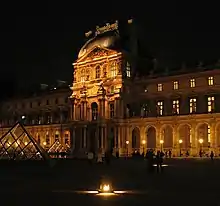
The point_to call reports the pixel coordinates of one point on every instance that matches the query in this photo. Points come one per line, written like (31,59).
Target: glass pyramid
(17,144)
(58,147)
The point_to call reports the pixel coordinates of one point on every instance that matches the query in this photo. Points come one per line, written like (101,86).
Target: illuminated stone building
(45,114)
(111,107)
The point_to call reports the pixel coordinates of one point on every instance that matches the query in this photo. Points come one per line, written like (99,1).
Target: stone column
(194,143)
(117,107)
(175,141)
(213,143)
(85,137)
(73,139)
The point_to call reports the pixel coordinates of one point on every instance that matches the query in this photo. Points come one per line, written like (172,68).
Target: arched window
(94,107)
(97,72)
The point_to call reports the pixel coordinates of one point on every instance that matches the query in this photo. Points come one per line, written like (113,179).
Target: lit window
(192,105)
(210,81)
(175,85)
(128,69)
(112,109)
(192,83)
(159,87)
(209,133)
(113,69)
(160,108)
(104,71)
(211,104)
(97,72)
(176,107)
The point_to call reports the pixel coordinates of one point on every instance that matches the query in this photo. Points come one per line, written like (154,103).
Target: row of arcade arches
(183,133)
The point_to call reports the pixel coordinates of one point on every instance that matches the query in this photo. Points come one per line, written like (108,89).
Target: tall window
(83,75)
(56,136)
(210,81)
(128,69)
(209,133)
(175,85)
(192,83)
(160,108)
(112,109)
(94,111)
(159,87)
(211,104)
(104,71)
(176,107)
(113,69)
(192,105)
(97,72)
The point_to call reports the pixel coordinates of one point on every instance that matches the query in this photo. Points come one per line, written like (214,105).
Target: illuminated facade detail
(112,110)
(192,83)
(113,69)
(160,108)
(192,105)
(97,72)
(211,104)
(210,81)
(176,107)
(83,75)
(175,85)
(159,87)
(128,69)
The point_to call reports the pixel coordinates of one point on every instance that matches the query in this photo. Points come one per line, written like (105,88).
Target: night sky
(46,39)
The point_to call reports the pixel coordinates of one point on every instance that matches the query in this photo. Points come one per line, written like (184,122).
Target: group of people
(154,159)
(99,157)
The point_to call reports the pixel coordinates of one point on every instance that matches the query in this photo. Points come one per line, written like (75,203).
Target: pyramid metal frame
(58,145)
(11,131)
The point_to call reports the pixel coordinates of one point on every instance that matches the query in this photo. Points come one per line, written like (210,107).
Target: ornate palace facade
(110,107)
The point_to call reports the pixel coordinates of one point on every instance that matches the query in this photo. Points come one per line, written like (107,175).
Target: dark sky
(46,39)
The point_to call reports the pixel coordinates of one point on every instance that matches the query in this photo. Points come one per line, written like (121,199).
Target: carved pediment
(96,52)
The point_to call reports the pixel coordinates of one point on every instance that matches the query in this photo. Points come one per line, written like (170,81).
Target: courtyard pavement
(183,182)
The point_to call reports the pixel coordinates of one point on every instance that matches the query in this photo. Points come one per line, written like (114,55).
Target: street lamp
(127,143)
(161,145)
(143,143)
(180,143)
(201,142)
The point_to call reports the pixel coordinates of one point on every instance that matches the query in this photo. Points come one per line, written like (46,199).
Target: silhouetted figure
(107,158)
(200,153)
(170,153)
(150,160)
(159,159)
(117,154)
(212,155)
(187,153)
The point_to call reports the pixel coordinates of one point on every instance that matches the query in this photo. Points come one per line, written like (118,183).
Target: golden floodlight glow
(25,143)
(161,141)
(106,188)
(200,141)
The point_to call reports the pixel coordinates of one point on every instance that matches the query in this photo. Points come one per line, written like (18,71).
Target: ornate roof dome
(110,40)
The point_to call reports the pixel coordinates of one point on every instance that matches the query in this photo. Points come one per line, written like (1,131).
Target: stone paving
(183,182)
